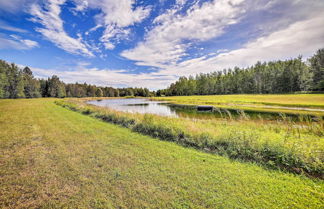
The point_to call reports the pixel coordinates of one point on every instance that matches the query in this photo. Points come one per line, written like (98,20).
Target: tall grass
(282,144)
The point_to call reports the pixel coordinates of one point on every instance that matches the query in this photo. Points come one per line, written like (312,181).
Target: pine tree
(317,67)
(99,92)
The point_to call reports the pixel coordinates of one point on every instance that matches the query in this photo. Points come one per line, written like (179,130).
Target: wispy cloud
(168,42)
(14,6)
(7,27)
(165,43)
(116,16)
(16,42)
(49,17)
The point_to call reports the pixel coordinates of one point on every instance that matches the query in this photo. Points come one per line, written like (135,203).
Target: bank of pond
(283,144)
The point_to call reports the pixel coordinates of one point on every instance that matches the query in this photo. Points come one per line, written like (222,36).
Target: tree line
(21,83)
(288,76)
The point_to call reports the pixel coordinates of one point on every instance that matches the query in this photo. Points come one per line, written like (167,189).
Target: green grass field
(286,103)
(52,157)
(297,147)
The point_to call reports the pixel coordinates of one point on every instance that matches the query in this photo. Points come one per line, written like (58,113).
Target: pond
(186,111)
(153,107)
(137,106)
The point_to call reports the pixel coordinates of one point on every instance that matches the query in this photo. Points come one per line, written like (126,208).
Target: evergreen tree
(55,87)
(99,92)
(15,85)
(3,79)
(317,68)
(44,88)
(31,85)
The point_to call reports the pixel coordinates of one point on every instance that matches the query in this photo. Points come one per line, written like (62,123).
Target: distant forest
(275,77)
(288,76)
(20,83)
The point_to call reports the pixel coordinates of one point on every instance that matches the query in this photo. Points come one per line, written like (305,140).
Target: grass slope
(256,102)
(53,157)
(285,144)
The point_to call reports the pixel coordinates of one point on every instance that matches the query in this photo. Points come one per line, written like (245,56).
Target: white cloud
(52,30)
(301,38)
(30,43)
(4,26)
(16,42)
(120,12)
(168,42)
(115,17)
(81,5)
(14,6)
(104,77)
(164,44)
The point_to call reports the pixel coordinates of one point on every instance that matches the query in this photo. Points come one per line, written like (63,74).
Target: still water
(185,111)
(160,108)
(137,106)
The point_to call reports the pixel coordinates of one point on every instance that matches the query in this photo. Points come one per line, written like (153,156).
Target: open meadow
(204,104)
(55,157)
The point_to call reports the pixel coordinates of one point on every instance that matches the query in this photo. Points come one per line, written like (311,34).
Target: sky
(151,43)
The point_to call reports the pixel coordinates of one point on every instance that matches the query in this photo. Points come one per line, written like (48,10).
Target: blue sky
(151,43)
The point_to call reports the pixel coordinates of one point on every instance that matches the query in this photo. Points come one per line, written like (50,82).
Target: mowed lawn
(52,157)
(257,102)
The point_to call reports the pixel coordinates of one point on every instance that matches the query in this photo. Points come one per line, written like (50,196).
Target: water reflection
(137,106)
(162,108)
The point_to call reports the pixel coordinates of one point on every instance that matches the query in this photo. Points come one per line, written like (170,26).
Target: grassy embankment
(285,103)
(52,157)
(286,145)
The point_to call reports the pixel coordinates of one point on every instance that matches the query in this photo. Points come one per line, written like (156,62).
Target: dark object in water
(144,104)
(205,108)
